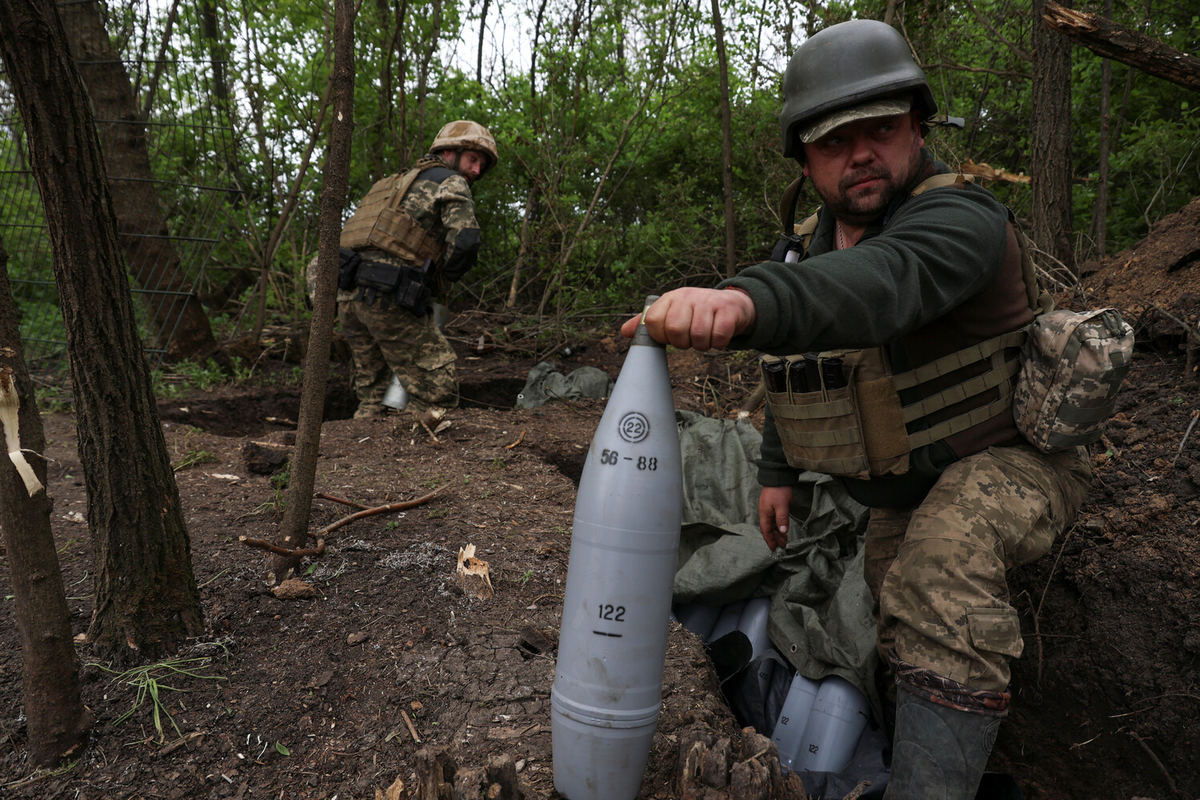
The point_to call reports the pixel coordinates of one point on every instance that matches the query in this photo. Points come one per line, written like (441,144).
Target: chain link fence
(166,157)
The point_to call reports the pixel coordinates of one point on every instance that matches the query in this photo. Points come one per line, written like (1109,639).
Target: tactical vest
(381,221)
(840,412)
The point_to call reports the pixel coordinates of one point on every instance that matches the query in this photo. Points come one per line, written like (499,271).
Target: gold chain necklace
(841,239)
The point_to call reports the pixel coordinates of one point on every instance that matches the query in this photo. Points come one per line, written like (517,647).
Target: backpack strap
(940,180)
(401,187)
(787,203)
(805,229)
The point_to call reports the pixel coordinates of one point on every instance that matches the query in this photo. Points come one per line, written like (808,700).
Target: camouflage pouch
(1072,365)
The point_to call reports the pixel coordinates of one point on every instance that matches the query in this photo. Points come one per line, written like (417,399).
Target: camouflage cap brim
(869,110)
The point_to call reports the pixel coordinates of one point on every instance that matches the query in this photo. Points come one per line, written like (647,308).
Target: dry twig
(283,551)
(343,501)
(411,728)
(1183,441)
(1154,758)
(377,510)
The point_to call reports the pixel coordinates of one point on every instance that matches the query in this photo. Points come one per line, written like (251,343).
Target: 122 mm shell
(608,679)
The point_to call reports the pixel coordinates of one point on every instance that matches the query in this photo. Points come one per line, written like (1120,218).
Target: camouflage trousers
(938,571)
(395,341)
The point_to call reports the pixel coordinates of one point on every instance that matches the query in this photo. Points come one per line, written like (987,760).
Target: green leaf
(283,751)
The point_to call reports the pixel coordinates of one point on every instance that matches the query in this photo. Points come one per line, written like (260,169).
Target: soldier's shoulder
(437,174)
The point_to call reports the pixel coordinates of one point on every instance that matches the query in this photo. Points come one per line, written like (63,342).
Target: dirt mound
(1156,283)
(336,695)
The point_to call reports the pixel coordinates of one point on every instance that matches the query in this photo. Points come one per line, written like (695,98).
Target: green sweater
(924,259)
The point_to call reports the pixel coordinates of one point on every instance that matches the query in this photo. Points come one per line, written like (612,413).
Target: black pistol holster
(391,284)
(348,261)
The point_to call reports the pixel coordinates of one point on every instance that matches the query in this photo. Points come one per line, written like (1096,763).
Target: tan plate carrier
(380,221)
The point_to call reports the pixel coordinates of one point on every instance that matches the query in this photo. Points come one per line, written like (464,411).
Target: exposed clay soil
(333,696)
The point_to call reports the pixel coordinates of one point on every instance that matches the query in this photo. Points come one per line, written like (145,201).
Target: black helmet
(845,65)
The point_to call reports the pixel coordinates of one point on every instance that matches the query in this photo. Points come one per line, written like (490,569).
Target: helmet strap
(787,204)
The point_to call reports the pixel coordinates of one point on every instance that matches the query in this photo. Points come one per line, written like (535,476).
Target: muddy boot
(370,411)
(938,753)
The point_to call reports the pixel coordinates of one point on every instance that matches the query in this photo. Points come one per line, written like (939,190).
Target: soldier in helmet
(907,291)
(413,234)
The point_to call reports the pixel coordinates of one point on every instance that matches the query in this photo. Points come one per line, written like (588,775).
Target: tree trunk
(523,249)
(1100,212)
(432,43)
(479,55)
(57,721)
(146,600)
(1050,141)
(226,105)
(333,199)
(726,145)
(176,313)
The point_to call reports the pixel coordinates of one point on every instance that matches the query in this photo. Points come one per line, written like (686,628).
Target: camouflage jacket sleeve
(440,200)
(462,237)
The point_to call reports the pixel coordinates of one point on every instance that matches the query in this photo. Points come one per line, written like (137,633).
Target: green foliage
(609,185)
(281,479)
(194,458)
(148,686)
(202,375)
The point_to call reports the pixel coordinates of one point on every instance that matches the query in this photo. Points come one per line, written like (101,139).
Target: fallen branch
(1193,333)
(1109,40)
(429,430)
(520,439)
(1154,758)
(344,502)
(377,510)
(284,551)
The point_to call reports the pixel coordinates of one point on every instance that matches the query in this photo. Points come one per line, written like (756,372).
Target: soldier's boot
(370,411)
(938,753)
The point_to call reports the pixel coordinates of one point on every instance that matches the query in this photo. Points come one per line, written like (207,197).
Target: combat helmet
(845,65)
(463,134)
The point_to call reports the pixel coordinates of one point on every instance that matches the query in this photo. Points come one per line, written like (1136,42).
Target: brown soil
(334,696)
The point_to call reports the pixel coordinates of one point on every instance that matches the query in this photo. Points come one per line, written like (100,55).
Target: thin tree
(146,600)
(1050,141)
(726,144)
(56,719)
(294,528)
(1100,213)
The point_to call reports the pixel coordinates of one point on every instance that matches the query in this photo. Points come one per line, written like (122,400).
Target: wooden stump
(439,777)
(712,768)
(435,774)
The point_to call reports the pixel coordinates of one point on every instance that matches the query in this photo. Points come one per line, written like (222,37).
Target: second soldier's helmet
(845,65)
(463,134)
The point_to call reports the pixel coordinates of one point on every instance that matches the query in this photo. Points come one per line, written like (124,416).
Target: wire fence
(165,157)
